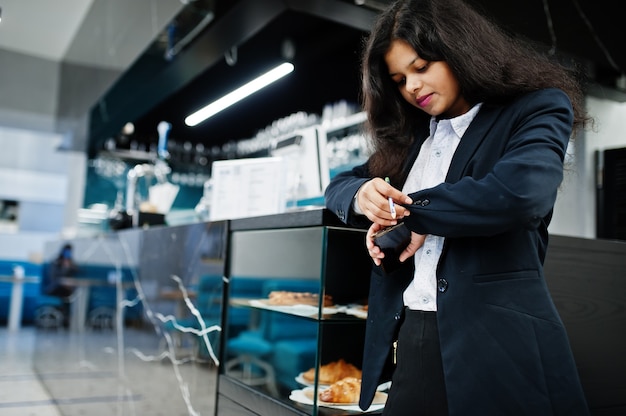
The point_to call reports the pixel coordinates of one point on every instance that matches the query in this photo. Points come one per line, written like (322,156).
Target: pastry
(346,390)
(332,372)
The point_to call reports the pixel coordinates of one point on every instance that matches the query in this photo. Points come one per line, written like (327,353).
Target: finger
(375,253)
(417,240)
(377,209)
(408,251)
(381,214)
(388,191)
(402,212)
(398,196)
(376,256)
(372,249)
(369,237)
(374,228)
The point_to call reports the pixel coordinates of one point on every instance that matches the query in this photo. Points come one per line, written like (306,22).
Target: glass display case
(295,316)
(144,329)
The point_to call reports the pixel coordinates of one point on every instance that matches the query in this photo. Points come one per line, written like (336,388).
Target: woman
(62,266)
(471,126)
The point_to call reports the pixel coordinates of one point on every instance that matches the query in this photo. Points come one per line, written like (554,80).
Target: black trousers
(418,386)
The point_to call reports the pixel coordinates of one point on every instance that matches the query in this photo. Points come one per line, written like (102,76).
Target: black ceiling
(326,70)
(327,35)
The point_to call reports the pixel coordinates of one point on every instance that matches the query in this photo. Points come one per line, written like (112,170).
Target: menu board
(247,188)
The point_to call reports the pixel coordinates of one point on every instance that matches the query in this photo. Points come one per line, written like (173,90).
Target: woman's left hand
(417,240)
(374,251)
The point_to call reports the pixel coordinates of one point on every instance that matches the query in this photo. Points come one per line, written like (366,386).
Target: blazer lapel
(471,140)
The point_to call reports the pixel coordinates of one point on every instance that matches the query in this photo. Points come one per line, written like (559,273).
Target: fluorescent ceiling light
(239,94)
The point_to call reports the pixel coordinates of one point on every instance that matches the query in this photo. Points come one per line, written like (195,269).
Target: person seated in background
(62,266)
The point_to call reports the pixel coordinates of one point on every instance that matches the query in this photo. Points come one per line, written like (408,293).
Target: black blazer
(505,350)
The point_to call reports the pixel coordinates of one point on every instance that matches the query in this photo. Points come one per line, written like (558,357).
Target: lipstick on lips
(423,101)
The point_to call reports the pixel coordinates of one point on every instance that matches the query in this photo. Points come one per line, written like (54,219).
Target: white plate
(356,310)
(301,380)
(305,396)
(300,310)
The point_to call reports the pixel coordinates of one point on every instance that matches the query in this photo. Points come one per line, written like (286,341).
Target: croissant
(332,372)
(346,390)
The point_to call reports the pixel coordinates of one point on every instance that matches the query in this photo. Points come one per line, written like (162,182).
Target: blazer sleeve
(341,191)
(504,174)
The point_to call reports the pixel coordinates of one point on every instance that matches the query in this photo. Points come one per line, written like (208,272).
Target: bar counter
(587,279)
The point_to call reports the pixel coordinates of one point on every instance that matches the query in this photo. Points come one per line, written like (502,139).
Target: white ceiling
(42,28)
(100,33)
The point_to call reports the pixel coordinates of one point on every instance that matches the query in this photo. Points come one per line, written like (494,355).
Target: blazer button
(421,202)
(442,285)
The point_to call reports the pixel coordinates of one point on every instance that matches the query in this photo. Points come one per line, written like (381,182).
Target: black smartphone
(392,241)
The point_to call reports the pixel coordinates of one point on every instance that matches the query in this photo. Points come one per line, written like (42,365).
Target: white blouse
(429,170)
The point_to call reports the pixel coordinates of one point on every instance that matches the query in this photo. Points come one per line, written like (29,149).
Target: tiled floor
(60,373)
(21,392)
(119,364)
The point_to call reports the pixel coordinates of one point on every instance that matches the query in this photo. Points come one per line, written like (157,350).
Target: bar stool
(249,364)
(52,312)
(102,317)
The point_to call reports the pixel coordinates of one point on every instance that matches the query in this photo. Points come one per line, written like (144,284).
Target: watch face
(394,232)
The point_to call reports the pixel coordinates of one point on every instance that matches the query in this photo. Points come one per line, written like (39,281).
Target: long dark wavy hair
(491,65)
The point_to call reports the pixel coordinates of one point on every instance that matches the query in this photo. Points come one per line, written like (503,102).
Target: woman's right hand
(373,199)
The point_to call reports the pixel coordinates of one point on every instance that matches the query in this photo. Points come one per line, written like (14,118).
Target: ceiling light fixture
(239,94)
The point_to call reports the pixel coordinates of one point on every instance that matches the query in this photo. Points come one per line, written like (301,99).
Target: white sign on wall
(247,188)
